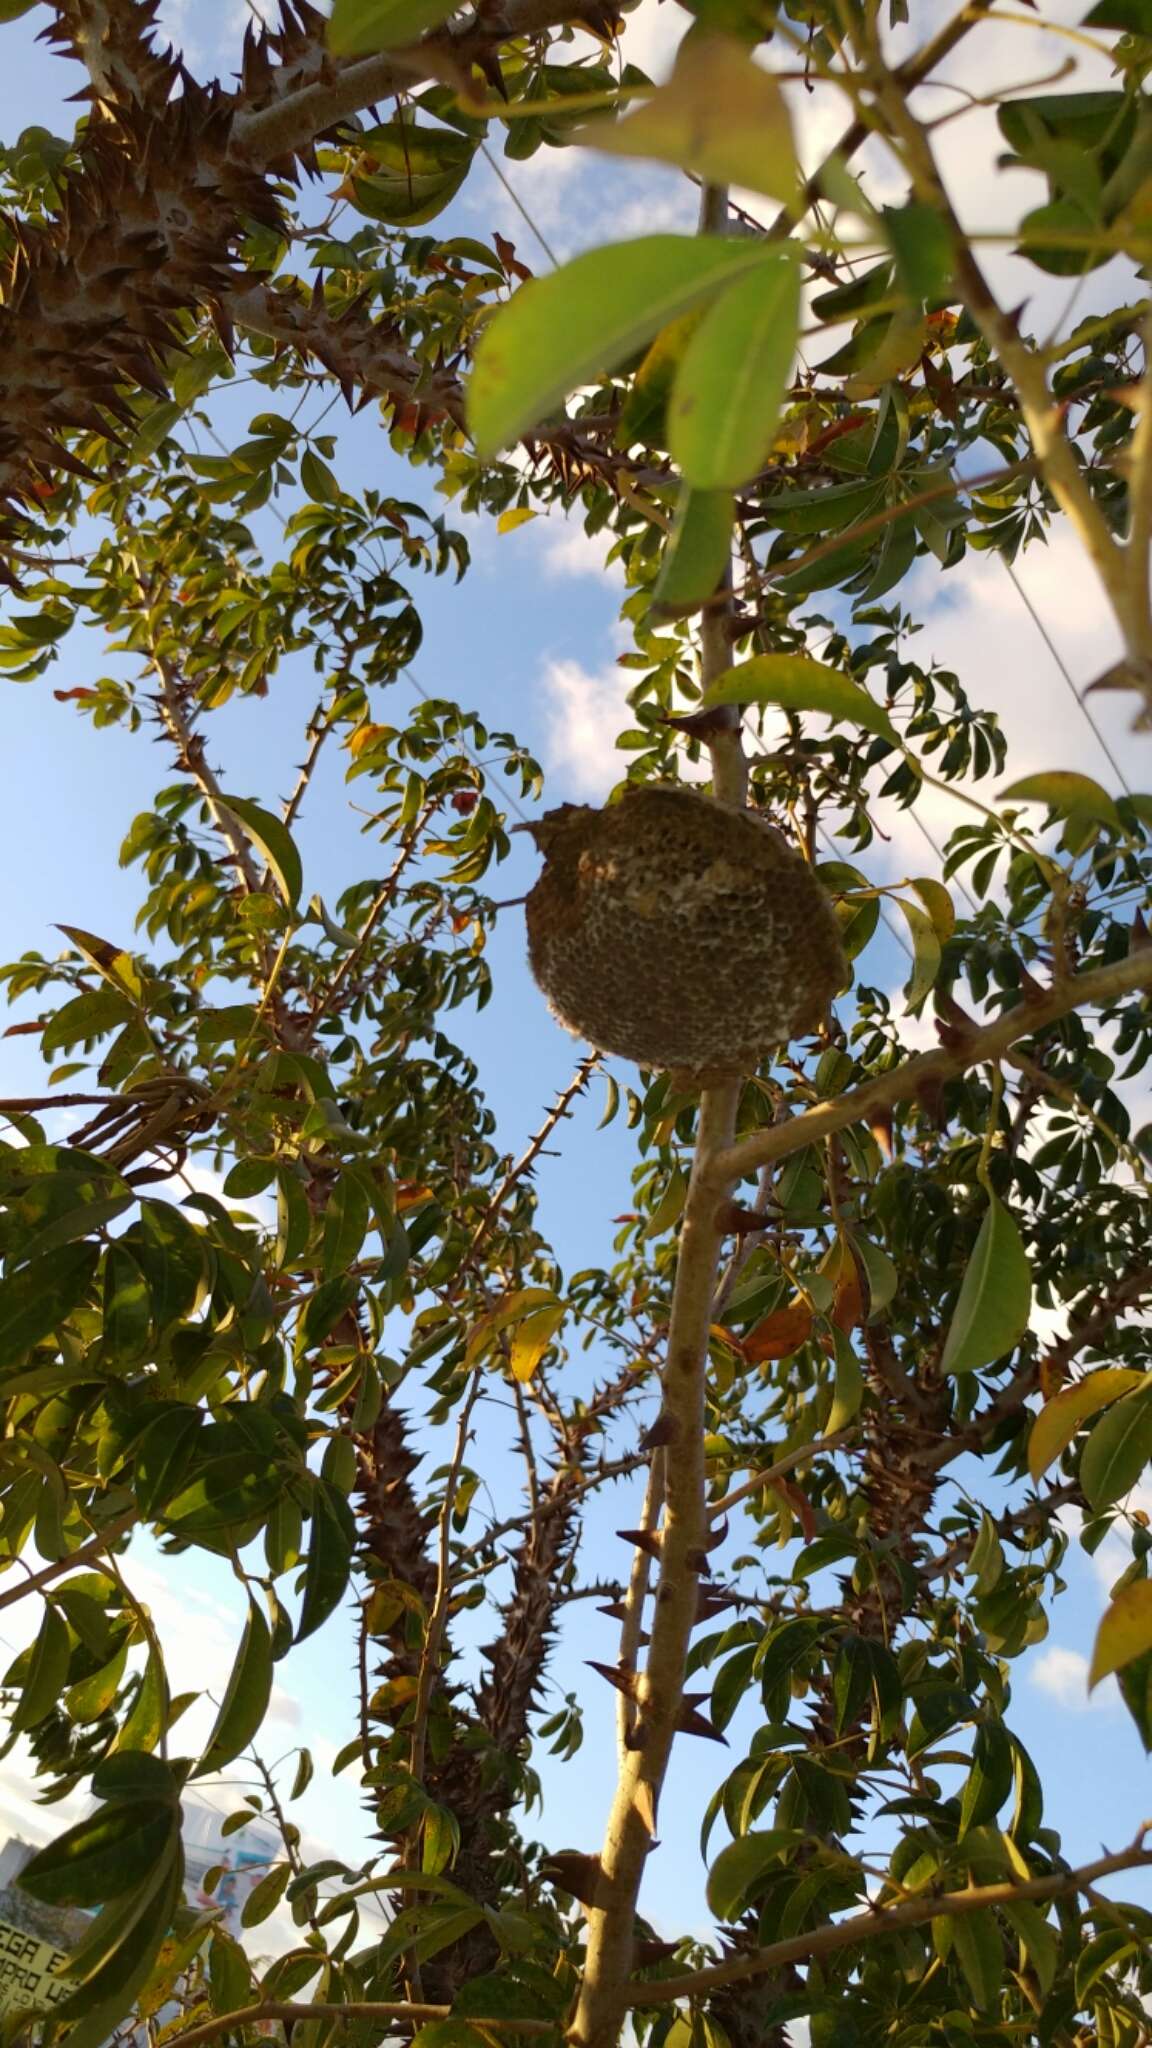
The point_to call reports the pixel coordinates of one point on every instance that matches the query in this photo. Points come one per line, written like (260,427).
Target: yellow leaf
(1125,1631)
(365,736)
(938,903)
(719,116)
(669,1207)
(523,1301)
(516,515)
(1060,1418)
(531,1338)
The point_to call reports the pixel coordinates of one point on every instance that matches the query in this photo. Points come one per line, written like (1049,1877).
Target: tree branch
(95,1546)
(1099,985)
(878,1922)
(310,98)
(803,1455)
(391,2009)
(658,1690)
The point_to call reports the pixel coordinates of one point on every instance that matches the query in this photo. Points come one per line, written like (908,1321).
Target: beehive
(678,932)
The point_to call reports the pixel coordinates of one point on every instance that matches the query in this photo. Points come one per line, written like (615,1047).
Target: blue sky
(530,641)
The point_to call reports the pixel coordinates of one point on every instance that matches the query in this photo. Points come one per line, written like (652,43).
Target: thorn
(575,1873)
(690,1722)
(664,1430)
(624,1681)
(641,1539)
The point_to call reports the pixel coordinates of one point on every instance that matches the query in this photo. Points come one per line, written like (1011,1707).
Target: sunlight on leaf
(587,318)
(720,116)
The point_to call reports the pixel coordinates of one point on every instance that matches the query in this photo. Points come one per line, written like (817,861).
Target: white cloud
(652,35)
(586,711)
(569,551)
(1063,1675)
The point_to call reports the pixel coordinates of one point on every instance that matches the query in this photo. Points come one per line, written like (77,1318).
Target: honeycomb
(678,932)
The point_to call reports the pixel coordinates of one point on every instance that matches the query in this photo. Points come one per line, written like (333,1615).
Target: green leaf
(87,1016)
(36,1299)
(117,1958)
(739,1868)
(586,319)
(103,1856)
(331,1542)
(995,1301)
(922,248)
(697,553)
(989,1779)
(1118,1450)
(345,1224)
(732,378)
(797,683)
(882,1275)
(358,27)
(720,117)
(670,1207)
(273,841)
(148,1715)
(154,428)
(90,1697)
(1040,1941)
(127,1306)
(47,1671)
(245,1702)
(324,1309)
(926,953)
(1099,1955)
(980,1954)
(849,1385)
(418,170)
(76,1223)
(986,1557)
(450,2033)
(266,1896)
(229,1973)
(303,1778)
(318,480)
(1060,1418)
(1063,790)
(163,1454)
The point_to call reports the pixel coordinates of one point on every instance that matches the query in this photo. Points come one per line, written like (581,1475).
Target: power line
(521,209)
(1073,692)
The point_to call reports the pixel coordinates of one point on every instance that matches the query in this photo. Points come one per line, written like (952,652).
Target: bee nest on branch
(678,932)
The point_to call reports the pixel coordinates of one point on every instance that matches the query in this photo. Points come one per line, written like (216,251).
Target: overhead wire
(1074,693)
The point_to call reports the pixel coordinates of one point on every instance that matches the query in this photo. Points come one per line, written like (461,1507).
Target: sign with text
(28,1968)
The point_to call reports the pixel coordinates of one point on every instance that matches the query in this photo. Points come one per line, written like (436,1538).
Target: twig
(632,1626)
(534,1147)
(927,1070)
(86,1552)
(437,1620)
(380,904)
(392,2009)
(788,1463)
(877,1922)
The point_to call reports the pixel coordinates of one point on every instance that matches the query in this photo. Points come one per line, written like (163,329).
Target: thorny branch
(880,1921)
(1097,986)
